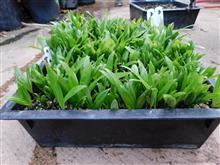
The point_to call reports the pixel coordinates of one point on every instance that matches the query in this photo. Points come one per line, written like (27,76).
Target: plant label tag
(47,55)
(158,16)
(150,15)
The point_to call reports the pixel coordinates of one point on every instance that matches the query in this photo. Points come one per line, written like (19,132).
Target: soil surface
(165,6)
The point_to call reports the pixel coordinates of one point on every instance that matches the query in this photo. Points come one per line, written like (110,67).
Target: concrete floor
(18,148)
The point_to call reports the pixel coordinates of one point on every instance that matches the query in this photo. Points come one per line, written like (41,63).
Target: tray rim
(6,113)
(132,3)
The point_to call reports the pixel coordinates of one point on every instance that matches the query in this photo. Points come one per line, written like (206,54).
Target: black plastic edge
(132,3)
(6,113)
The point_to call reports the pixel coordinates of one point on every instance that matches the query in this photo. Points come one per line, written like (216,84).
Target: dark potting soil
(165,6)
(53,105)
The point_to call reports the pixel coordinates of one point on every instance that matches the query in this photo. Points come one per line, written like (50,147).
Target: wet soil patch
(44,156)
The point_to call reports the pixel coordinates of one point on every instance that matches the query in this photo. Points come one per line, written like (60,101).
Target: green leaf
(72,76)
(209,72)
(153,97)
(179,96)
(22,97)
(139,77)
(23,80)
(85,72)
(141,100)
(53,83)
(169,100)
(20,101)
(170,64)
(114,104)
(100,98)
(143,71)
(151,68)
(165,89)
(126,96)
(95,83)
(110,61)
(217,85)
(216,96)
(73,92)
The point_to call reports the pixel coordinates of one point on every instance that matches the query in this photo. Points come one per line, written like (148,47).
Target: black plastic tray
(182,16)
(156,128)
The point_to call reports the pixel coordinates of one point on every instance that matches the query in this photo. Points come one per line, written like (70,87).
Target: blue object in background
(44,11)
(9,15)
(68,4)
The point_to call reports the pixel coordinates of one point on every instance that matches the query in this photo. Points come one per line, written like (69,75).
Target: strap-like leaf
(169,100)
(74,91)
(100,98)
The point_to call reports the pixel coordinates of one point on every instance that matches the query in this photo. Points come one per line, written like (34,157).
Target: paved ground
(18,148)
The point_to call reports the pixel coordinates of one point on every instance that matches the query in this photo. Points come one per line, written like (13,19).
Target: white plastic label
(150,15)
(156,16)
(47,55)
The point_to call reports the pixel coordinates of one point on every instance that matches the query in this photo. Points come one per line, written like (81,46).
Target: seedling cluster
(116,64)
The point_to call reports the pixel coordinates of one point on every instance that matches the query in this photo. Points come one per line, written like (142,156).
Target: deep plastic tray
(156,128)
(182,16)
